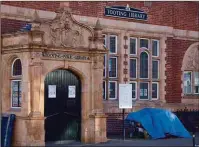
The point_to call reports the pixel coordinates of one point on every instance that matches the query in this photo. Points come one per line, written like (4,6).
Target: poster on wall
(125,96)
(145,92)
(187,79)
(71,91)
(51,91)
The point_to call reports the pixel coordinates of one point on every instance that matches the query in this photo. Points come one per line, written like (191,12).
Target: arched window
(144,65)
(16,68)
(16,83)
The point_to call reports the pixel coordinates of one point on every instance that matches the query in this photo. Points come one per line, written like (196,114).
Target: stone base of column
(99,132)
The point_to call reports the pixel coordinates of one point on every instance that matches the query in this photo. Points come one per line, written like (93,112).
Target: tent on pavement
(159,122)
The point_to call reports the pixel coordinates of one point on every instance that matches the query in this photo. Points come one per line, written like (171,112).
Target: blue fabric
(158,122)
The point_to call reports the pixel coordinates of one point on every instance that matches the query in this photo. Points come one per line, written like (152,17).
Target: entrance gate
(62,106)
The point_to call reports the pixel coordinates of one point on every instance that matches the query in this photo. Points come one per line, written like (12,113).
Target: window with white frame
(16,83)
(133,68)
(112,90)
(110,67)
(155,90)
(133,46)
(191,82)
(134,90)
(155,69)
(144,90)
(145,67)
(155,48)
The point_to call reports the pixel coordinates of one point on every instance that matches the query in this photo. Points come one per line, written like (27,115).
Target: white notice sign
(125,96)
(71,91)
(51,91)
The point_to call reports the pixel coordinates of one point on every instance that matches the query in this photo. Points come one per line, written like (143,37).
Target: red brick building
(158,55)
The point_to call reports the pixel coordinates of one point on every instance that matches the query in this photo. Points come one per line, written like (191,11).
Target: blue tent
(158,122)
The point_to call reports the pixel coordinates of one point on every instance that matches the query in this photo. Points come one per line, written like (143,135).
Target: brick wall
(174,56)
(181,15)
(9,26)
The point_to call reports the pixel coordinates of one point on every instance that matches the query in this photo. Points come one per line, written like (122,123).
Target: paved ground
(175,142)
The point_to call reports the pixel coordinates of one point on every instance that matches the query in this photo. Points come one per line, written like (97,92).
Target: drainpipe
(0,77)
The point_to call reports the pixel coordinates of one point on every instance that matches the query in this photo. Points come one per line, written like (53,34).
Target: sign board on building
(125,96)
(51,91)
(125,12)
(71,91)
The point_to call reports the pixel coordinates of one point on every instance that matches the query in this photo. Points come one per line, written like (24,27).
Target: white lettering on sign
(51,91)
(125,96)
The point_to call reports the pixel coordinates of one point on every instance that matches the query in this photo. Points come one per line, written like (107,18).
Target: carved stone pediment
(64,31)
(191,59)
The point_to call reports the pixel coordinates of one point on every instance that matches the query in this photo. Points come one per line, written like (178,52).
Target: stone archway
(190,65)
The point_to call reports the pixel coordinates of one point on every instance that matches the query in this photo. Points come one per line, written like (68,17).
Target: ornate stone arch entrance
(53,44)
(190,79)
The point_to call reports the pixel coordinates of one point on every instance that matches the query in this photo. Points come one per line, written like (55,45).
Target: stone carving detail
(64,31)
(98,62)
(191,59)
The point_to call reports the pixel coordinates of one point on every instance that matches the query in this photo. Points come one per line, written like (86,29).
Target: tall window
(16,84)
(144,65)
(144,68)
(110,67)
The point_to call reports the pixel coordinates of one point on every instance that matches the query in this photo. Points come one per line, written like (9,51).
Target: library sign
(125,12)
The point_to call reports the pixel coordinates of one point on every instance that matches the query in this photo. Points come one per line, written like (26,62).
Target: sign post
(125,100)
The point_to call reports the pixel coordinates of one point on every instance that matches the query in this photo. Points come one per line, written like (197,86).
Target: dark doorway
(62,106)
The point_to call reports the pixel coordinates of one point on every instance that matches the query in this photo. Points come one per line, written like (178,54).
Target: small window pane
(112,90)
(143,90)
(104,36)
(155,69)
(155,48)
(104,70)
(196,82)
(144,43)
(134,90)
(112,44)
(16,93)
(104,90)
(154,90)
(113,67)
(143,65)
(17,69)
(133,68)
(187,82)
(133,46)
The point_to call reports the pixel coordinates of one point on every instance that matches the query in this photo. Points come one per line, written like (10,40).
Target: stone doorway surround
(49,45)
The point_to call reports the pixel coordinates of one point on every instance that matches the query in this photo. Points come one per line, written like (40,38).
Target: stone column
(36,72)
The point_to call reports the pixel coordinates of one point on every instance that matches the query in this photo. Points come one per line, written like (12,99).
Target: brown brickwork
(175,52)
(180,15)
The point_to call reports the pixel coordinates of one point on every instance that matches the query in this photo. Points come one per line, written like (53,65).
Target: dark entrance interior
(62,106)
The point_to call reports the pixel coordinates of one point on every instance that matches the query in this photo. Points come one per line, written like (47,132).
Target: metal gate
(62,106)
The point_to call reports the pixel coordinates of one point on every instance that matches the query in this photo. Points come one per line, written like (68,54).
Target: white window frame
(144,39)
(115,43)
(115,90)
(12,93)
(135,89)
(147,91)
(148,64)
(12,67)
(116,66)
(104,90)
(194,73)
(135,45)
(191,82)
(136,68)
(105,56)
(158,69)
(105,39)
(158,47)
(157,91)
